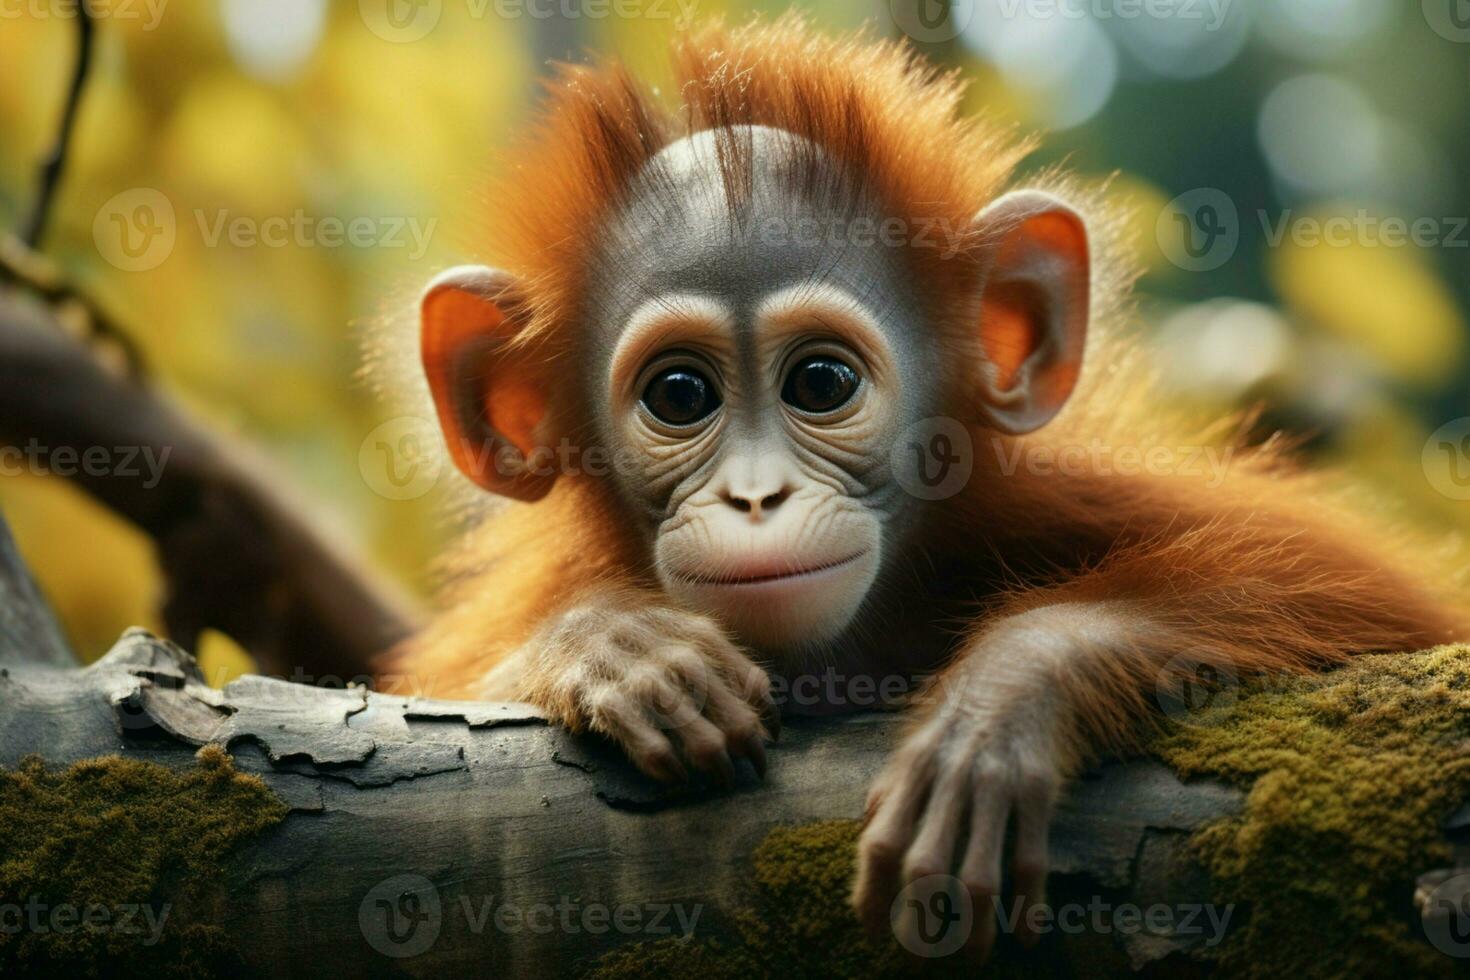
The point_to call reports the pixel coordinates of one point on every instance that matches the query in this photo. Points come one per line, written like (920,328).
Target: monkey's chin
(787,610)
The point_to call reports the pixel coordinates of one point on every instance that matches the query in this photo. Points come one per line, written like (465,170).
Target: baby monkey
(768,377)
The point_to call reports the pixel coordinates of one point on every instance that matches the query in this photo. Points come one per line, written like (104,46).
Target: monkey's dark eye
(819,385)
(680,396)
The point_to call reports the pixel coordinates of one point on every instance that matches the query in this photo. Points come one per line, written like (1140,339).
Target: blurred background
(1299,172)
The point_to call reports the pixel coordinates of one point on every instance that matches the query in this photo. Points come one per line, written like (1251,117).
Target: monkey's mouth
(764,577)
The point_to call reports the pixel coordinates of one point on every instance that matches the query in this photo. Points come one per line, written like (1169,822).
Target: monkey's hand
(667,685)
(991,750)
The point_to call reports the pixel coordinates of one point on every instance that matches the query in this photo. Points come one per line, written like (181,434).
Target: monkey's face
(753,398)
(757,443)
(750,350)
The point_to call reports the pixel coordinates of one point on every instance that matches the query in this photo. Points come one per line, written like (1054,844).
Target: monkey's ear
(1034,309)
(491,401)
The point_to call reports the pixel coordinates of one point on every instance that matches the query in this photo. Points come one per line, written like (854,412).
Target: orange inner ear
(460,316)
(1008,332)
(515,409)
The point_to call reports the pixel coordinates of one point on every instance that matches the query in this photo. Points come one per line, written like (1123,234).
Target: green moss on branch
(1351,775)
(107,866)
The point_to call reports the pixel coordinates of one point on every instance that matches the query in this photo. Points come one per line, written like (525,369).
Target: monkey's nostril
(772,501)
(740,504)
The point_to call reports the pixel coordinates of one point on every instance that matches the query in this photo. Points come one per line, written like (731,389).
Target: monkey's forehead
(739,214)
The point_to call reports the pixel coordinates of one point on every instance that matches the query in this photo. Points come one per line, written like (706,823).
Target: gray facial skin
(797,232)
(678,233)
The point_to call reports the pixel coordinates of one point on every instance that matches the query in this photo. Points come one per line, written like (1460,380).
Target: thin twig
(55,164)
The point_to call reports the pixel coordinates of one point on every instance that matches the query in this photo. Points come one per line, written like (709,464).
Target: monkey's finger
(614,714)
(930,859)
(708,687)
(980,871)
(933,849)
(754,749)
(666,703)
(754,685)
(884,842)
(875,800)
(706,749)
(771,716)
(1029,863)
(740,723)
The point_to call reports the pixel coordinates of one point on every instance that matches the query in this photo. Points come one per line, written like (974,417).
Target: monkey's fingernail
(771,715)
(755,751)
(670,769)
(725,770)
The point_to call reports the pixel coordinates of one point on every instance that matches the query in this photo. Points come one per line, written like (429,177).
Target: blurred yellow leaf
(231,143)
(221,659)
(1382,299)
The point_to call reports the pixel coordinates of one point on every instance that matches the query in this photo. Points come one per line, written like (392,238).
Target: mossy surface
(132,846)
(798,924)
(1350,777)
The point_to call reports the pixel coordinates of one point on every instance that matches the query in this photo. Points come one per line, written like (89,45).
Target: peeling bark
(479,803)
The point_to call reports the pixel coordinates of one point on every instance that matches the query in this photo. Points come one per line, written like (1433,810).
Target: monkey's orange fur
(1263,572)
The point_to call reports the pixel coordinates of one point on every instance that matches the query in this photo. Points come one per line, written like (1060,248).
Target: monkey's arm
(1059,672)
(998,734)
(547,608)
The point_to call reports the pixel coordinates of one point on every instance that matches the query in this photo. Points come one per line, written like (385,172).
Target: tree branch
(472,808)
(240,552)
(55,164)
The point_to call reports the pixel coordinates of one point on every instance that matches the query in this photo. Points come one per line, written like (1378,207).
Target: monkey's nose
(755,503)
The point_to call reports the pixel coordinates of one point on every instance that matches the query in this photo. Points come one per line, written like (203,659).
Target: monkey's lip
(762,576)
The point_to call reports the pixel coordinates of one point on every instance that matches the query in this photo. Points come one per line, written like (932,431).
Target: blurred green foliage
(302,117)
